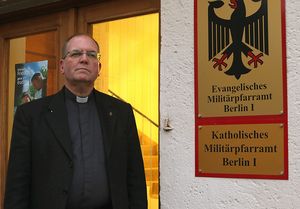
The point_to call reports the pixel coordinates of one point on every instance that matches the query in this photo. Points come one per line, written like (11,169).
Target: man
(37,83)
(77,149)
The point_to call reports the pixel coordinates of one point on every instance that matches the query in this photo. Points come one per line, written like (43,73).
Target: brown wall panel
(43,47)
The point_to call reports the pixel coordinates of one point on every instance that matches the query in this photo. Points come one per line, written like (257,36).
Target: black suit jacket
(40,165)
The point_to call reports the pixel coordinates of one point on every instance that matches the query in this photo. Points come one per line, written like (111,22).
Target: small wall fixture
(167,126)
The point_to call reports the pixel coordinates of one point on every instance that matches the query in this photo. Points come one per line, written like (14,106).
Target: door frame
(64,24)
(112,10)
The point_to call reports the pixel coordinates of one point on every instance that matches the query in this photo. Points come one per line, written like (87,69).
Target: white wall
(180,189)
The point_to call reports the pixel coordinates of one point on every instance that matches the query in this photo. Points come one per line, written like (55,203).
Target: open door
(29,42)
(128,35)
(129,49)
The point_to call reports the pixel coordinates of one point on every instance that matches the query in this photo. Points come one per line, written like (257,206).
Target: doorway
(40,36)
(130,63)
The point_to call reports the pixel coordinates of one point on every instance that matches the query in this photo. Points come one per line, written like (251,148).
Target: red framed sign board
(241,125)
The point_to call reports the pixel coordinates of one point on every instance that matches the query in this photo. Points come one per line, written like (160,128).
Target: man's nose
(84,57)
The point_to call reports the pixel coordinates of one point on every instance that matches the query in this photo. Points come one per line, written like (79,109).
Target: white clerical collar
(82,99)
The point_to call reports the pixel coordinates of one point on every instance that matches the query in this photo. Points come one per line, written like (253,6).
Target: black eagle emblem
(236,35)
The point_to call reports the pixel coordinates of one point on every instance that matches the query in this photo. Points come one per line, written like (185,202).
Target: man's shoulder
(110,103)
(111,100)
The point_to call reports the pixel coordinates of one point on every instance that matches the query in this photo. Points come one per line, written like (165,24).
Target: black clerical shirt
(89,188)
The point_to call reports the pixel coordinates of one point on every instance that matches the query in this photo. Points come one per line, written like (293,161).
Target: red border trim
(243,119)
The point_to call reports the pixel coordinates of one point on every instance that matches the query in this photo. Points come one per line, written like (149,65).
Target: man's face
(37,82)
(25,99)
(80,69)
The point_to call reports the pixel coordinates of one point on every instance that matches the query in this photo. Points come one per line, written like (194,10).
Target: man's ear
(99,68)
(61,68)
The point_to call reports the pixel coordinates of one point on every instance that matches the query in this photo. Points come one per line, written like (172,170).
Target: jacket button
(65,191)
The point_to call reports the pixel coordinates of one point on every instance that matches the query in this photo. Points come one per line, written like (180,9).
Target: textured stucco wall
(180,189)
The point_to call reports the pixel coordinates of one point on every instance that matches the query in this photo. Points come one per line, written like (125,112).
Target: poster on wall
(31,81)
(240,89)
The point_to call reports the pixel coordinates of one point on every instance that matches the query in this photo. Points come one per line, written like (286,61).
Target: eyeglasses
(75,54)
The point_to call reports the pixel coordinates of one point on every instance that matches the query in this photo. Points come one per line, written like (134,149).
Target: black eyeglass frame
(78,53)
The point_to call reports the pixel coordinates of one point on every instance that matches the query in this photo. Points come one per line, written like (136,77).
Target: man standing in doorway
(77,149)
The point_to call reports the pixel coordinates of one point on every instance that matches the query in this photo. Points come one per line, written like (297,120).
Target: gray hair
(64,48)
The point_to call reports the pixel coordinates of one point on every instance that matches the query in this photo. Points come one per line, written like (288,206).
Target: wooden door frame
(112,10)
(64,24)
(18,9)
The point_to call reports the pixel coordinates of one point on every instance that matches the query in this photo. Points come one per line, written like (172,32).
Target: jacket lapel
(107,118)
(58,121)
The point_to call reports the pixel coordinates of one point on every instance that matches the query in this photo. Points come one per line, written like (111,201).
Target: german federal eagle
(236,35)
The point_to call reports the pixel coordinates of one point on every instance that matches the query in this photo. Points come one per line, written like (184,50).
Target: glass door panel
(32,70)
(130,71)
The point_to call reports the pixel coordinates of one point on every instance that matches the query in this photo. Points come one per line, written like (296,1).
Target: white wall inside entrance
(180,189)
